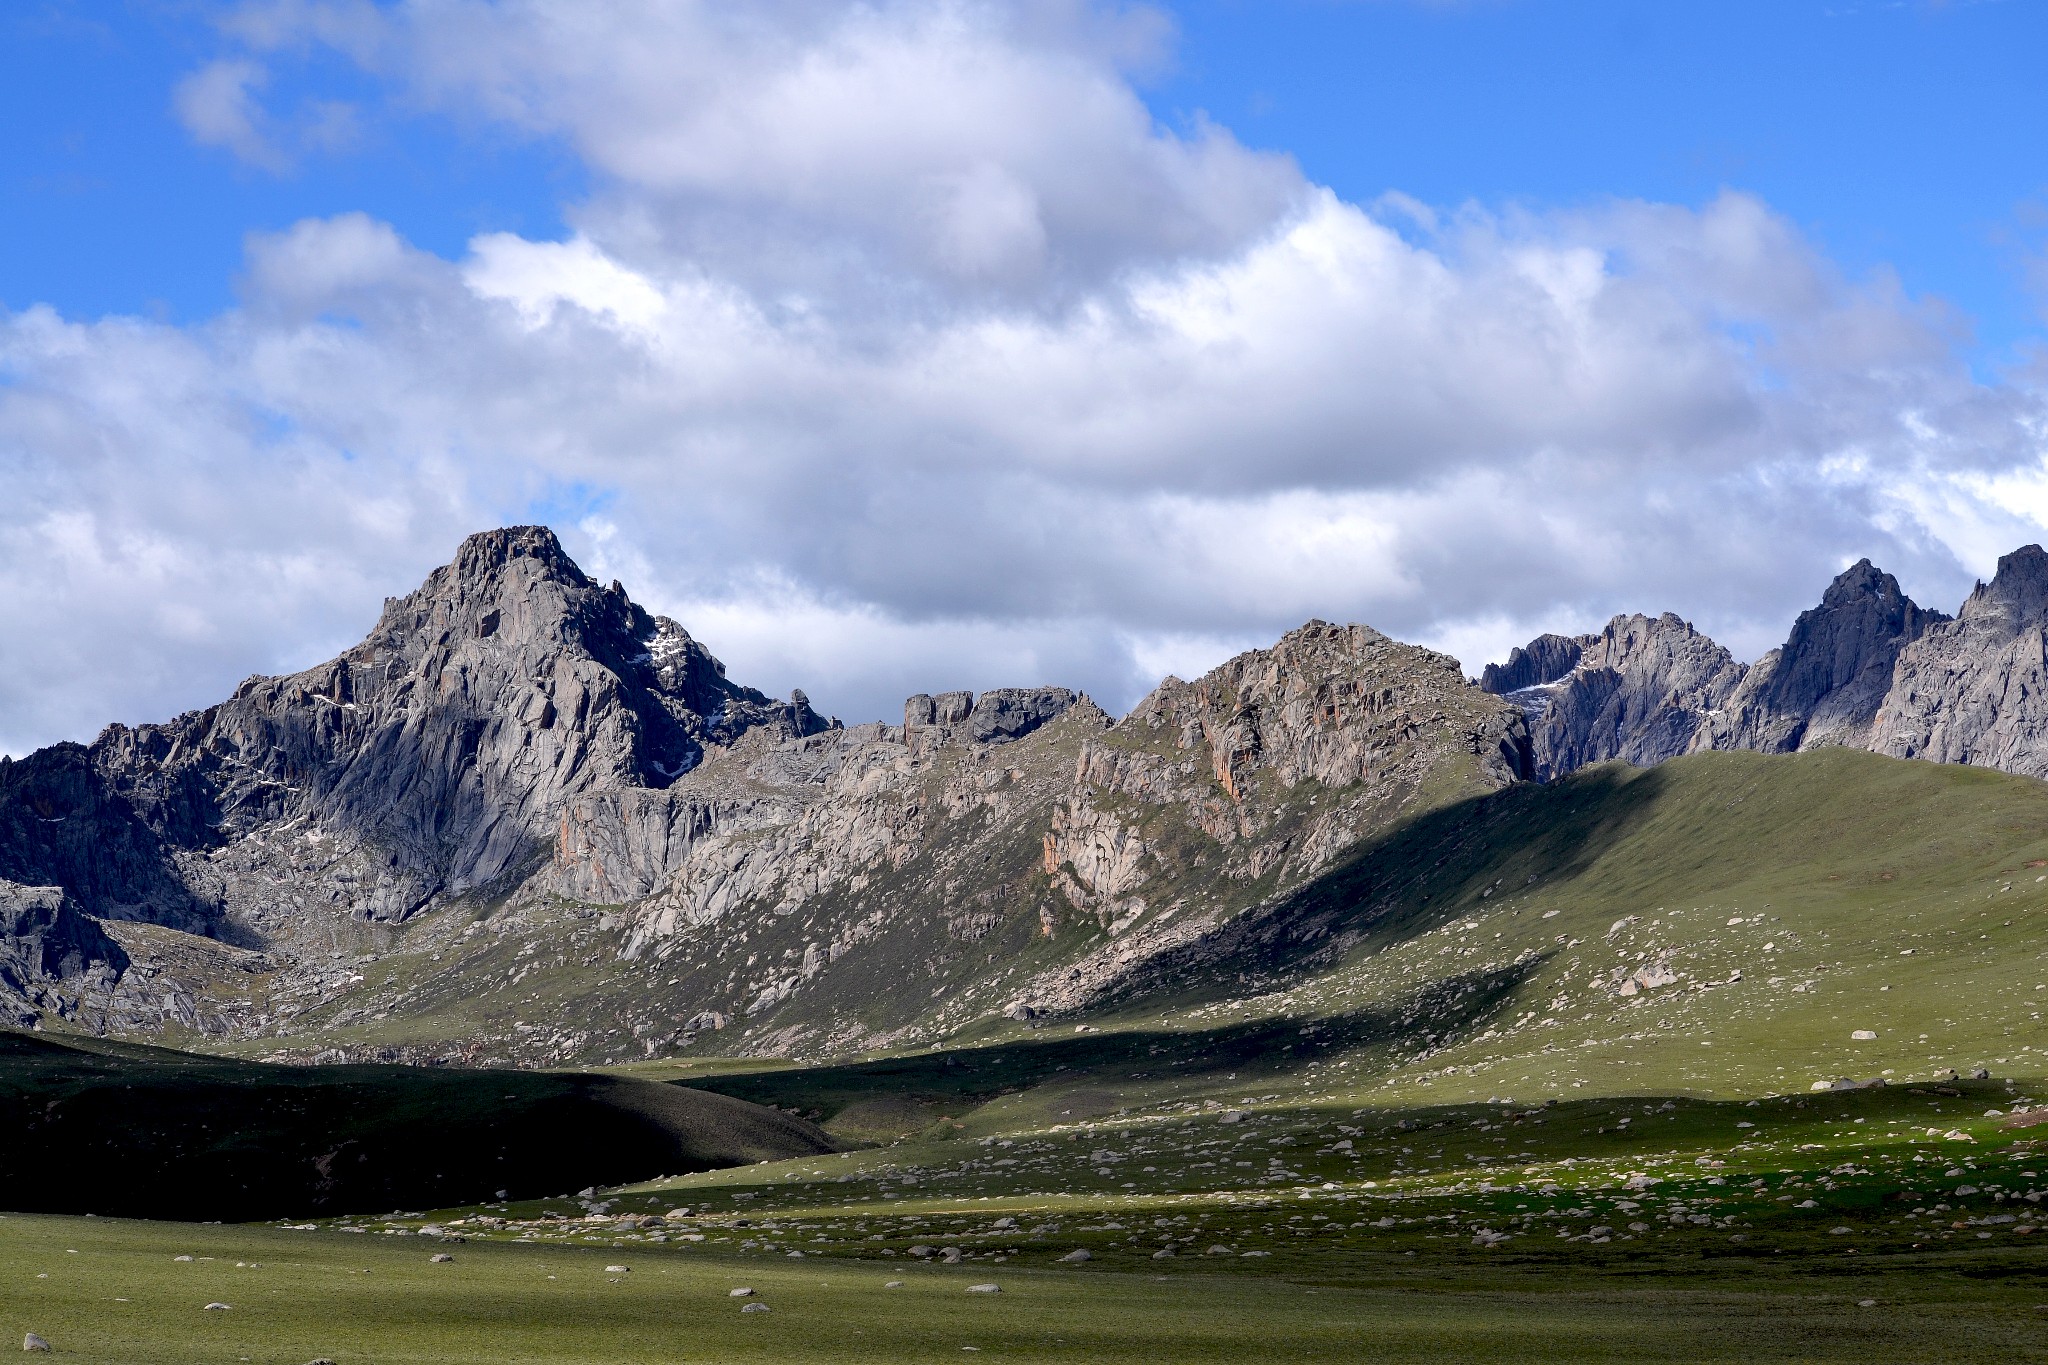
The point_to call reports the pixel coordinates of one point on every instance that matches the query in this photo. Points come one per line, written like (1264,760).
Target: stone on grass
(753,1308)
(1218,1250)
(923,1252)
(743,1292)
(218,1307)
(893,1284)
(1078,1254)
(32,1342)
(1866,1303)
(617,1269)
(950,1255)
(440,1258)
(984,1289)
(181,1258)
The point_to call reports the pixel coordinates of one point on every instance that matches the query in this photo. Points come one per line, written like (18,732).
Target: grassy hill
(112,1128)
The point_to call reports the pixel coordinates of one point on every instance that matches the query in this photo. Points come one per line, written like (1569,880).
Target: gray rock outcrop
(47,942)
(1544,659)
(1975,689)
(1641,690)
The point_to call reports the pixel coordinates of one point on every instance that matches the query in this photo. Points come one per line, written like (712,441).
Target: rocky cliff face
(1867,668)
(524,819)
(1971,690)
(51,953)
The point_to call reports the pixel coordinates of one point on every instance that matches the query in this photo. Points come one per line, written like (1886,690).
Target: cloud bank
(898,347)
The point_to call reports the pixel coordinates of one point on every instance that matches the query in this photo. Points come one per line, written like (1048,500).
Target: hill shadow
(970,1075)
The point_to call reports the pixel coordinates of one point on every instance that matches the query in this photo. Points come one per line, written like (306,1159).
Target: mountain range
(527,821)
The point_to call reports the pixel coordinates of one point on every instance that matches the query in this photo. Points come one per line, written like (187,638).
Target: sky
(919,344)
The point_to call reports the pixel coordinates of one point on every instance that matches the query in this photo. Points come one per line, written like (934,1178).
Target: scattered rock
(32,1342)
(1078,1254)
(893,1284)
(440,1258)
(743,1292)
(923,1252)
(181,1258)
(617,1269)
(1863,1035)
(753,1308)
(984,1289)
(218,1307)
(951,1255)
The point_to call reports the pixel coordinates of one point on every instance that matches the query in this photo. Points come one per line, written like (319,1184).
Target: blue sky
(914,344)
(1910,136)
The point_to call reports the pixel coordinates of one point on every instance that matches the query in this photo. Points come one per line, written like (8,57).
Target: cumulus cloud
(901,349)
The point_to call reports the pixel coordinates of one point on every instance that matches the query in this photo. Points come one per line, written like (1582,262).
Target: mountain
(527,819)
(1866,669)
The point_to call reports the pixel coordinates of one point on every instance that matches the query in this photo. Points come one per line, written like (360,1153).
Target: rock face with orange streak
(1214,796)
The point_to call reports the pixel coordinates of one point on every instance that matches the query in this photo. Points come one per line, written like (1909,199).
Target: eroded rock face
(46,944)
(1971,690)
(1825,685)
(1642,690)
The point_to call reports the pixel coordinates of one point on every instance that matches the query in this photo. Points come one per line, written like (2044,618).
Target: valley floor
(1890,1224)
(107,1290)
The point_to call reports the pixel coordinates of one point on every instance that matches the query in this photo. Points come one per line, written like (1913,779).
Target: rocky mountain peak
(429,759)
(1825,684)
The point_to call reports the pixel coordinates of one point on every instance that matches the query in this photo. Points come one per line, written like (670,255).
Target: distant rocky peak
(1543,660)
(2015,598)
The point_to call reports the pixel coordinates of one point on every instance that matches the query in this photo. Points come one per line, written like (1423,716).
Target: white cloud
(218,106)
(901,350)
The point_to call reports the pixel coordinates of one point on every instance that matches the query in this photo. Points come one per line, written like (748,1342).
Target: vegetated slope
(1724,923)
(125,1130)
